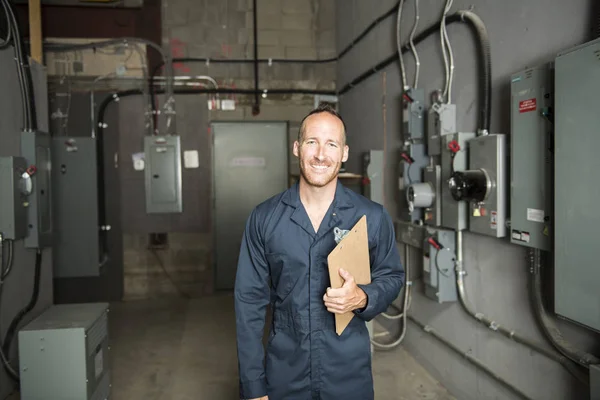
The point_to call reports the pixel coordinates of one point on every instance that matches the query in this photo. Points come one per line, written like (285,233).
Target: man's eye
(333,144)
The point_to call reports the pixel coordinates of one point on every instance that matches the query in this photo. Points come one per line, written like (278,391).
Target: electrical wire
(399,44)
(447,52)
(412,44)
(4,43)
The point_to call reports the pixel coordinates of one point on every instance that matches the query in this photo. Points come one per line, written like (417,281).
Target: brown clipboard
(351,254)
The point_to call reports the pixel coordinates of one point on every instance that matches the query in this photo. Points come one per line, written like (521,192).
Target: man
(283,261)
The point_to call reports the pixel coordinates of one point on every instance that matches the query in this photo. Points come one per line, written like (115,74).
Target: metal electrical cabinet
(76,251)
(438,265)
(13,202)
(63,354)
(531,205)
(576,188)
(163,174)
(250,165)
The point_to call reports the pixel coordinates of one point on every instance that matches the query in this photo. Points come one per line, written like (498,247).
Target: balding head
(323,108)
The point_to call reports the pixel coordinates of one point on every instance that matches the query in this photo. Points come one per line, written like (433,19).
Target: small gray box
(531,194)
(373,161)
(35,148)
(13,210)
(163,174)
(454,213)
(438,265)
(76,250)
(441,121)
(488,154)
(64,354)
(410,233)
(414,154)
(433,214)
(576,189)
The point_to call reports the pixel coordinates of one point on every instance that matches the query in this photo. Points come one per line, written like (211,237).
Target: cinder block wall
(292,29)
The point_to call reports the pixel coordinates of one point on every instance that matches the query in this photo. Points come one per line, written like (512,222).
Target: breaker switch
(453,146)
(433,241)
(31,170)
(407,158)
(407,98)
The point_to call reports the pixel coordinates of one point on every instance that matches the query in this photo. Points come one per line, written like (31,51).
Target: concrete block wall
(218,29)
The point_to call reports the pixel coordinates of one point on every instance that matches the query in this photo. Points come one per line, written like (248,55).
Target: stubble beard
(316,179)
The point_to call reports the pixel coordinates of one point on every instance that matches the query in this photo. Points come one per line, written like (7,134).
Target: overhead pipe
(256,106)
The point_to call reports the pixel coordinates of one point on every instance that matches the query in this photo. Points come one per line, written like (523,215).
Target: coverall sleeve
(387,272)
(251,295)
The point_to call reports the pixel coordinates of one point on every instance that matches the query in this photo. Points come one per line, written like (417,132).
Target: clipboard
(351,254)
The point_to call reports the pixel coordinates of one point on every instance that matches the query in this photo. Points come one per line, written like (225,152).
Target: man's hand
(347,298)
(261,398)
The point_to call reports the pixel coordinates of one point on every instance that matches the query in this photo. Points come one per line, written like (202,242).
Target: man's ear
(345,155)
(296,147)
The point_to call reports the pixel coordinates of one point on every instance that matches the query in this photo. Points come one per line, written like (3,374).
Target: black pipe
(256,106)
(10,333)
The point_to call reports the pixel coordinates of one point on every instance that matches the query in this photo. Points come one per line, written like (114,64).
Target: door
(250,164)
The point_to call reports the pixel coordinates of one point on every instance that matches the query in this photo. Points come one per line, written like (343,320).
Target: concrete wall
(522,34)
(216,29)
(18,286)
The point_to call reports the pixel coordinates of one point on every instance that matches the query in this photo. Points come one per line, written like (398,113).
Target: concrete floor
(185,349)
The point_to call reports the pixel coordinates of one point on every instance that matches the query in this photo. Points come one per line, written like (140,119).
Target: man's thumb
(346,275)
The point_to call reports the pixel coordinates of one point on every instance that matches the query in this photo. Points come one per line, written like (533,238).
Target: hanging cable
(447,51)
(399,44)
(412,44)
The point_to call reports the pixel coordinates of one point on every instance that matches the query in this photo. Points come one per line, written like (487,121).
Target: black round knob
(468,185)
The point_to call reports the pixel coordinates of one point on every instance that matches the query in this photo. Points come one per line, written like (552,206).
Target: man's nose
(321,153)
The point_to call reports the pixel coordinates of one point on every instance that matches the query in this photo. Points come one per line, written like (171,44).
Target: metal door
(250,164)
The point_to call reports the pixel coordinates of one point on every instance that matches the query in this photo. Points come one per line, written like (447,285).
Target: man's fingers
(340,292)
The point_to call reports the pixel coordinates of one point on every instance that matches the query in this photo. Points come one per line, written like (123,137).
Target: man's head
(321,146)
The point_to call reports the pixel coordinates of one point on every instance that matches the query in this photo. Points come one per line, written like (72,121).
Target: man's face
(322,149)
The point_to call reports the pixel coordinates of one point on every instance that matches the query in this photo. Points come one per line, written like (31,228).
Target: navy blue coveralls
(284,262)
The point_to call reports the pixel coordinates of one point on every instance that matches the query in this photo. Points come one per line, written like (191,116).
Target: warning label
(527,105)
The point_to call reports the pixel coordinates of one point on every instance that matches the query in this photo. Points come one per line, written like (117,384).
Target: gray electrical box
(433,213)
(576,189)
(163,174)
(454,213)
(64,354)
(438,265)
(531,205)
(410,233)
(373,166)
(594,382)
(487,161)
(441,121)
(13,201)
(413,152)
(35,148)
(76,250)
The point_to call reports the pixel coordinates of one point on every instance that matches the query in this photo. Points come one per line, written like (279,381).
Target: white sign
(190,159)
(248,162)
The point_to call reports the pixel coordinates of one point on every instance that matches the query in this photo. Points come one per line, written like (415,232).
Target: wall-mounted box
(441,121)
(76,237)
(483,185)
(13,199)
(438,265)
(576,189)
(35,148)
(410,233)
(163,174)
(413,153)
(454,158)
(373,169)
(426,195)
(531,194)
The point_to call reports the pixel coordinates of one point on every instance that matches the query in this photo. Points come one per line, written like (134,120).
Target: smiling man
(283,261)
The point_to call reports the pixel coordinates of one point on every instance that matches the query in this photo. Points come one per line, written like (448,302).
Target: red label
(527,105)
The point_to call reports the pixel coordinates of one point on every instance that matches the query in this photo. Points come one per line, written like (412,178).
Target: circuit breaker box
(35,148)
(576,189)
(64,354)
(438,265)
(76,249)
(413,154)
(441,121)
(532,160)
(13,199)
(454,158)
(163,174)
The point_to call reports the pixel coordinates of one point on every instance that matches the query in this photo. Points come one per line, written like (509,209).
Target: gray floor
(175,349)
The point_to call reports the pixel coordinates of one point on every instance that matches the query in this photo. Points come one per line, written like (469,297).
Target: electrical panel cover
(163,174)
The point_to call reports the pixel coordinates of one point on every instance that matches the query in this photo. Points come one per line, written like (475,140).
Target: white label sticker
(516,235)
(494,220)
(426,267)
(525,237)
(535,215)
(248,162)
(191,159)
(99,363)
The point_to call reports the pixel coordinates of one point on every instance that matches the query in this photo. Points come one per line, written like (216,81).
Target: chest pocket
(285,273)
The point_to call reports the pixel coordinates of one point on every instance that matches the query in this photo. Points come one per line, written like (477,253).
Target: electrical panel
(454,158)
(35,148)
(441,121)
(373,169)
(576,189)
(438,265)
(64,353)
(483,185)
(14,184)
(75,191)
(413,152)
(410,233)
(531,206)
(426,195)
(163,174)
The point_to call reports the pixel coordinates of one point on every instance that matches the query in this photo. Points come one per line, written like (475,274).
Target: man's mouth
(320,167)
